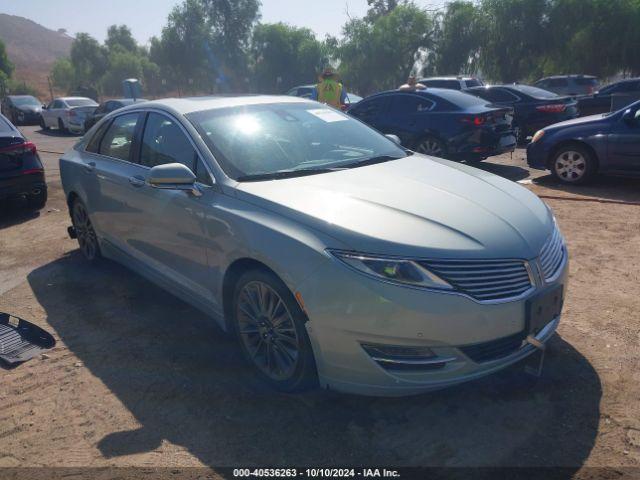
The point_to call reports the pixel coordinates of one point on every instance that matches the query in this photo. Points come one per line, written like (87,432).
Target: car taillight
(474,120)
(553,108)
(20,148)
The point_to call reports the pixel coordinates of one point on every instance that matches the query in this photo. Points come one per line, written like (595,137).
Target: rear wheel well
(231,277)
(568,143)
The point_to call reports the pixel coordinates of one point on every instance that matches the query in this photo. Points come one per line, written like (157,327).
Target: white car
(67,114)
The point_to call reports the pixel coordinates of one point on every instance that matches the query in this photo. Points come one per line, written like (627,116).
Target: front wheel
(269,325)
(61,126)
(573,164)
(43,124)
(87,238)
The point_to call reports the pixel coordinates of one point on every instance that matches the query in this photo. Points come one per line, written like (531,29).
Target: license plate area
(543,308)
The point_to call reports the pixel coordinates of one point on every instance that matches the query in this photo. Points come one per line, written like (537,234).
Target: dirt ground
(139,378)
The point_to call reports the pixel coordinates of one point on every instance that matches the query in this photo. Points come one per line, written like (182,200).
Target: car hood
(591,119)
(417,206)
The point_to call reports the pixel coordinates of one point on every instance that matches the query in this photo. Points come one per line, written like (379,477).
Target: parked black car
(22,109)
(107,107)
(610,98)
(21,171)
(533,107)
(440,122)
(569,85)
(577,149)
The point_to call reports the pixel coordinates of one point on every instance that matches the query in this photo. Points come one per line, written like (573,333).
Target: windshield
(81,102)
(25,101)
(260,140)
(534,91)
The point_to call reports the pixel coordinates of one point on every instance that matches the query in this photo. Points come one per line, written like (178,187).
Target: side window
(57,104)
(163,142)
(371,108)
(94,144)
(558,82)
(202,175)
(408,104)
(118,139)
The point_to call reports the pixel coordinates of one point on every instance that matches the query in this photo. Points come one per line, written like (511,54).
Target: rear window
(460,99)
(472,82)
(82,102)
(5,126)
(450,84)
(586,81)
(534,91)
(557,82)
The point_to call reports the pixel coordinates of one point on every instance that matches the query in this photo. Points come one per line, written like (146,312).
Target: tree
(89,59)
(380,8)
(119,37)
(458,39)
(380,55)
(6,67)
(513,33)
(63,74)
(284,56)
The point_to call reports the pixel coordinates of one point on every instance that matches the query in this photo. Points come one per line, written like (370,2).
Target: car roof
(74,98)
(197,104)
(20,96)
(11,131)
(452,77)
(573,75)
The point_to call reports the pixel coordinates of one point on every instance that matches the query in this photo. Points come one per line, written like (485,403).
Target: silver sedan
(334,256)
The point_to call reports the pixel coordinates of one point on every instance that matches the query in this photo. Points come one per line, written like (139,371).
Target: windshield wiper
(372,161)
(280,174)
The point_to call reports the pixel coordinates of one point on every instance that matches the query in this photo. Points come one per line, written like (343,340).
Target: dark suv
(572,85)
(21,171)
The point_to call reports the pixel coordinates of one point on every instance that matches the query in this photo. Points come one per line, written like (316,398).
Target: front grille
(483,280)
(495,349)
(552,255)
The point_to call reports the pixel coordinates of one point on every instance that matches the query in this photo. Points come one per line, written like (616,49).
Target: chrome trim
(429,361)
(330,254)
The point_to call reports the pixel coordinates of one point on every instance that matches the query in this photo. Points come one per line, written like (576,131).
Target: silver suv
(569,84)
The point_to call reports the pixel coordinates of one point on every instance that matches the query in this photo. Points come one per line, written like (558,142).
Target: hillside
(33,49)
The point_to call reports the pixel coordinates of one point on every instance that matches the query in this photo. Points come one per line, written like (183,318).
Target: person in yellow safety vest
(329,90)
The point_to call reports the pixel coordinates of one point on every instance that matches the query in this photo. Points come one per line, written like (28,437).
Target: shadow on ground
(512,172)
(14,212)
(184,381)
(612,188)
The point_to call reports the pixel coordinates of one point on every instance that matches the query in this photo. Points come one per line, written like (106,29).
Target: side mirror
(394,138)
(629,116)
(173,176)
(44,107)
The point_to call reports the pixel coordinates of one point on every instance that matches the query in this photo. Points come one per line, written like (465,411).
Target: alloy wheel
(267,331)
(570,166)
(87,238)
(431,146)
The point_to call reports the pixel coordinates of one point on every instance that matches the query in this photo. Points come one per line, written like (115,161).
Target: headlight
(538,135)
(406,272)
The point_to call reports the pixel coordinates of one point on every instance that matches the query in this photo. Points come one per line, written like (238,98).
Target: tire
(87,238)
(573,164)
(520,134)
(432,146)
(269,326)
(37,201)
(61,126)
(43,125)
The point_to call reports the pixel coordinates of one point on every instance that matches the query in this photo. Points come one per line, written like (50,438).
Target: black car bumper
(488,147)
(23,185)
(27,118)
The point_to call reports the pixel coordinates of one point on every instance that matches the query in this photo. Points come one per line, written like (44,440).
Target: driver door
(624,143)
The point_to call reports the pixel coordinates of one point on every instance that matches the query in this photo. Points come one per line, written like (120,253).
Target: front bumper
(347,309)
(537,155)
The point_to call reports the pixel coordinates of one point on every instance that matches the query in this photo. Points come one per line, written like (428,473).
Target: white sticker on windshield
(328,115)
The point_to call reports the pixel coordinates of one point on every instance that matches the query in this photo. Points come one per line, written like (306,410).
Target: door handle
(136,181)
(90,167)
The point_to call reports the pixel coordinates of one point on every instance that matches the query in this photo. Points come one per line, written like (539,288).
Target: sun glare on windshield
(247,124)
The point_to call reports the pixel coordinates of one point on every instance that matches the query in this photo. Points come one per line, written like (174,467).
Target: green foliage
(380,54)
(63,74)
(459,37)
(89,59)
(119,38)
(284,56)
(6,67)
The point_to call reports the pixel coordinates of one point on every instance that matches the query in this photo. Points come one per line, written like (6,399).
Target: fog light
(396,352)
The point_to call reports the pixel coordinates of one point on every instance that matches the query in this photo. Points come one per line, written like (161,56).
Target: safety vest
(329,92)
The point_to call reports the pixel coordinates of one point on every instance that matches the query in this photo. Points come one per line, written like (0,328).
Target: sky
(147,17)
